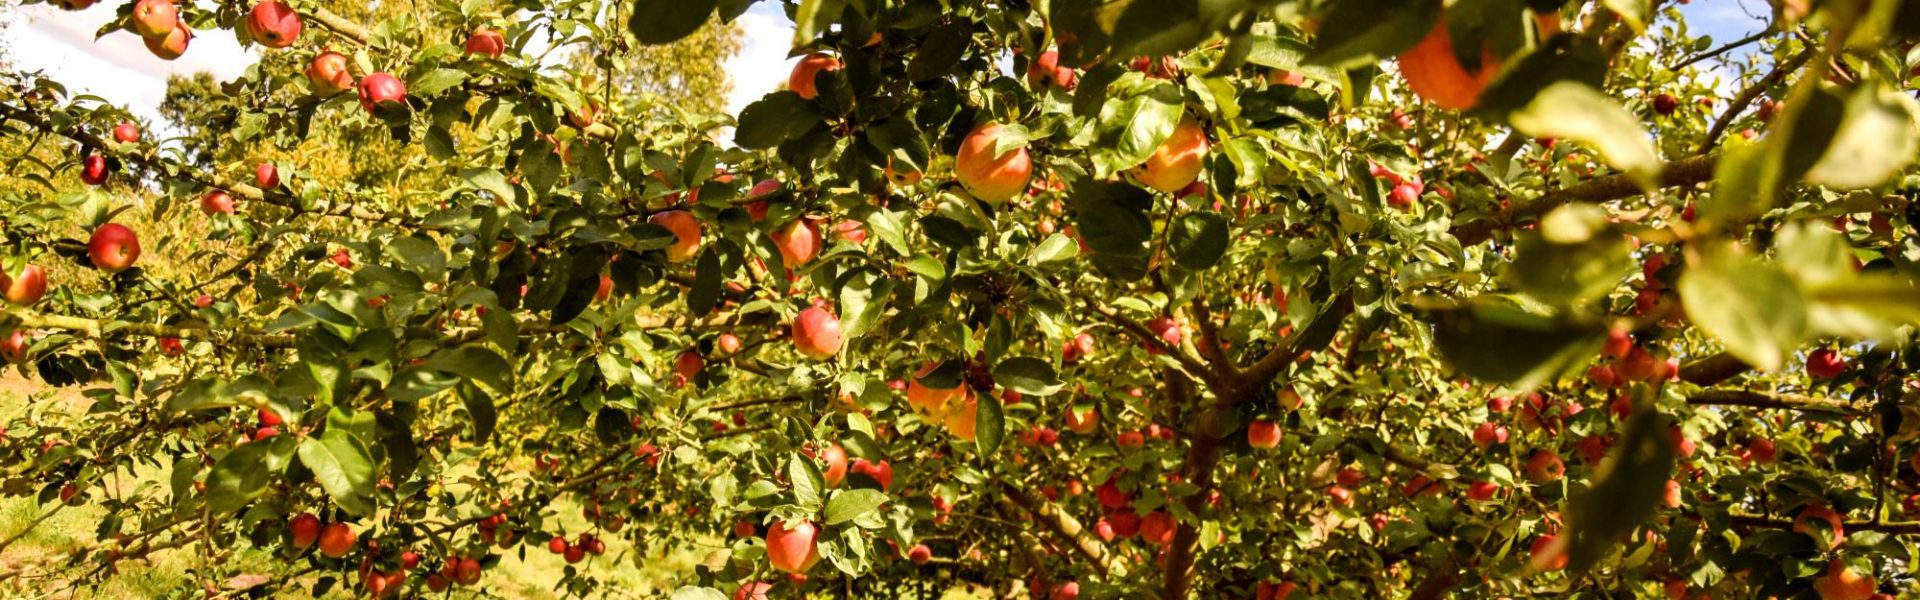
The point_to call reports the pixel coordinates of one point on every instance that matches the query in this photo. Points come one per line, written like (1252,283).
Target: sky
(119,68)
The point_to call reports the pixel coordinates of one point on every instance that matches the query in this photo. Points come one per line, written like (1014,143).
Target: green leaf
(1626,490)
(205,394)
(1568,260)
(656,22)
(705,293)
(479,364)
(1878,138)
(989,423)
(863,298)
(1503,340)
(807,482)
(1055,249)
(1632,12)
(940,50)
(344,467)
(435,81)
(1737,177)
(1132,129)
(238,477)
(778,117)
(848,505)
(1111,218)
(1362,32)
(813,17)
(1750,306)
(1199,240)
(1027,375)
(1871,307)
(492,182)
(1574,111)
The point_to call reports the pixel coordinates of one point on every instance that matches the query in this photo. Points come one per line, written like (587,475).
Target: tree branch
(1146,336)
(1746,97)
(1061,523)
(1779,401)
(1685,171)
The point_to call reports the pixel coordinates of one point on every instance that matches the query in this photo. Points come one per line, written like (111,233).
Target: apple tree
(1337,299)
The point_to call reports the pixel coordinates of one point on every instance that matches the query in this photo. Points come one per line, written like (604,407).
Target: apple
(989,175)
(171,346)
(1761,450)
(1263,434)
(1168,332)
(327,74)
(605,290)
(341,259)
(880,472)
(790,546)
(1403,195)
(1482,491)
(801,81)
(1131,439)
(1836,531)
(1342,496)
(1499,404)
(273,24)
(216,202)
(113,248)
(1488,434)
(1843,583)
(73,4)
(1066,591)
(155,18)
(836,459)
(468,571)
(1350,478)
(851,231)
(1601,376)
(816,333)
(1289,398)
(1083,421)
(1178,160)
(13,349)
(266,176)
(1671,495)
(93,169)
(1111,496)
(688,364)
(728,344)
(380,91)
(686,234)
(126,133)
(1286,78)
(1664,104)
(960,418)
(920,554)
(1544,466)
(486,42)
(27,287)
(798,242)
(336,540)
(1046,68)
(305,529)
(1078,349)
(1157,527)
(931,400)
(171,45)
(1547,554)
(756,590)
(1825,363)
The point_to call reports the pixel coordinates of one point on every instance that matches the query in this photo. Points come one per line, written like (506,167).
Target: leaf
(807,481)
(1111,219)
(1877,140)
(1362,32)
(813,17)
(478,364)
(1750,306)
(863,299)
(238,477)
(774,119)
(1199,240)
(491,182)
(1872,307)
(1577,112)
(848,505)
(990,423)
(433,82)
(1578,267)
(1499,339)
(1027,375)
(344,467)
(656,22)
(1632,12)
(1132,129)
(941,50)
(705,292)
(206,394)
(480,408)
(1626,490)
(1056,248)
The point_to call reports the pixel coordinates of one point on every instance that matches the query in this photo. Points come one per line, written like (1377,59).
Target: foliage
(1341,339)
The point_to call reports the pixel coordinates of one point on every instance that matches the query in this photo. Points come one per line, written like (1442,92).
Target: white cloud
(117,67)
(762,64)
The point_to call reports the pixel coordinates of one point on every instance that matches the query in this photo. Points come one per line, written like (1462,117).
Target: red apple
(1843,583)
(336,540)
(816,333)
(931,400)
(13,348)
(273,24)
(486,42)
(1403,195)
(992,177)
(798,242)
(1342,496)
(1065,591)
(801,81)
(1664,104)
(93,169)
(1082,421)
(1825,364)
(1157,528)
(790,546)
(1046,68)
(171,45)
(1178,160)
(216,202)
(126,133)
(686,234)
(1482,491)
(605,290)
(154,18)
(1488,434)
(468,571)
(920,554)
(1836,531)
(327,74)
(1547,554)
(305,529)
(881,472)
(1263,434)
(113,248)
(836,459)
(27,287)
(1350,478)
(171,346)
(1544,466)
(380,91)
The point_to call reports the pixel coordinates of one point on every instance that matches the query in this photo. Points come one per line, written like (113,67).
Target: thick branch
(1713,369)
(1892,527)
(1203,454)
(1686,171)
(341,25)
(1061,523)
(1779,401)
(1147,336)
(1269,366)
